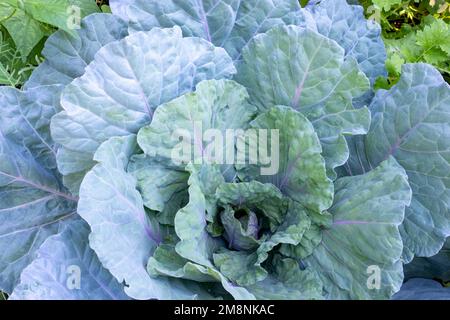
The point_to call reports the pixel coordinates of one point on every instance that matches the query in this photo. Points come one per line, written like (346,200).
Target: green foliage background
(24,27)
(414,31)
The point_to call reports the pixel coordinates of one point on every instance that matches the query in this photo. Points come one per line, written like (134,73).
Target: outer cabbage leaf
(68,54)
(120,8)
(122,87)
(26,119)
(422,289)
(62,257)
(435,267)
(230,24)
(79,48)
(411,122)
(364,236)
(360,37)
(123,235)
(33,207)
(33,204)
(309,73)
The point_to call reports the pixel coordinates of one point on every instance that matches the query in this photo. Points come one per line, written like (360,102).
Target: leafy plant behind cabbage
(86,146)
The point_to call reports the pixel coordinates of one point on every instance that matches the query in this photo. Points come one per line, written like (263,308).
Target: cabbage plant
(95,205)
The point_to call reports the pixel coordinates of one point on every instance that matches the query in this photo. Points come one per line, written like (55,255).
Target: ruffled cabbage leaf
(40,228)
(364,237)
(360,37)
(435,267)
(231,24)
(68,54)
(66,268)
(411,123)
(314,78)
(121,88)
(423,289)
(33,203)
